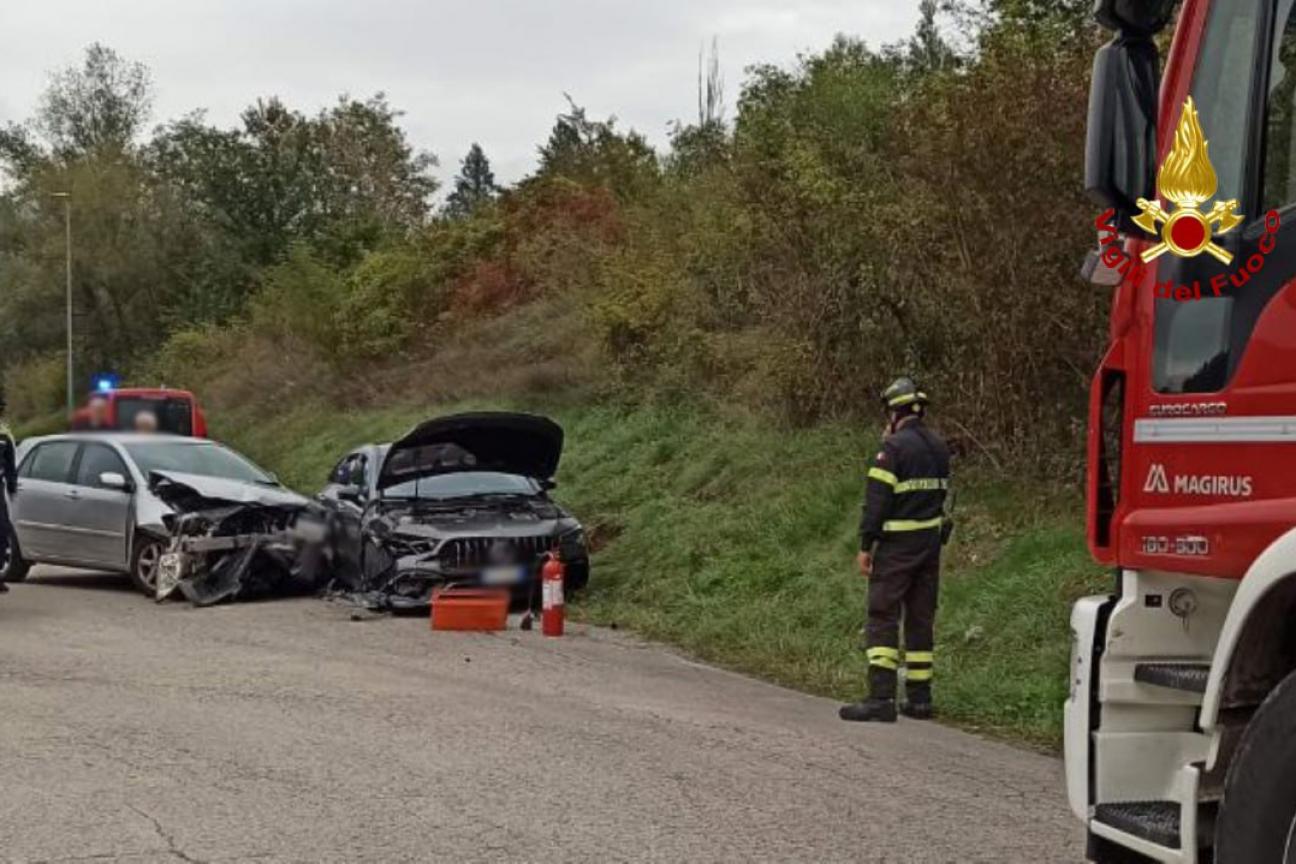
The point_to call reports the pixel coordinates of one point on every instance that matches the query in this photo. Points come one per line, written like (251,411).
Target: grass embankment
(735,540)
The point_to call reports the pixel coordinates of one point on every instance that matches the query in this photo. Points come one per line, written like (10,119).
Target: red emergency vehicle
(177,411)
(1181,722)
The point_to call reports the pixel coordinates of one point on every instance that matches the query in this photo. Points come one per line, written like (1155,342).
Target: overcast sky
(492,71)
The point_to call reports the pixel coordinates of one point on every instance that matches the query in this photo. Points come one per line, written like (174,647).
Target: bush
(37,387)
(192,357)
(299,303)
(389,294)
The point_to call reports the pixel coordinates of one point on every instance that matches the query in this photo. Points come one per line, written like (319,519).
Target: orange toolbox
(470,609)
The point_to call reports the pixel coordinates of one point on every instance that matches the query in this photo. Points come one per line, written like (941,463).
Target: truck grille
(469,552)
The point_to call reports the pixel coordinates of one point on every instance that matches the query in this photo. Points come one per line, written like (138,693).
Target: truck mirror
(1120,145)
(1142,17)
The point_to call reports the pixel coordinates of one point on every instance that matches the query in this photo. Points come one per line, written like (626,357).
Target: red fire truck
(177,411)
(1181,722)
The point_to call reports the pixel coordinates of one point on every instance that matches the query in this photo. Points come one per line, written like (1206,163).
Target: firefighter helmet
(902,392)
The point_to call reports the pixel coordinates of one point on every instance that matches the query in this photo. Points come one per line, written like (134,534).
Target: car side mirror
(114,480)
(1120,143)
(549,484)
(354,494)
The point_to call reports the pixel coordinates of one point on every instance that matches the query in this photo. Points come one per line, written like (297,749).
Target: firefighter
(8,486)
(901,532)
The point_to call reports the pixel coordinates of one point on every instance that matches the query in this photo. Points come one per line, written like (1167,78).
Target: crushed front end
(265,545)
(411,551)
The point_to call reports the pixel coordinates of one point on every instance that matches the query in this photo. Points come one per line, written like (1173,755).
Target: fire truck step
(1178,676)
(1154,821)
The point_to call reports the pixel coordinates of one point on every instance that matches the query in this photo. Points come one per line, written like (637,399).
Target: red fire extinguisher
(552,586)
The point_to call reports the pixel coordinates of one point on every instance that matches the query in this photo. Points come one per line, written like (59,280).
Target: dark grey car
(459,500)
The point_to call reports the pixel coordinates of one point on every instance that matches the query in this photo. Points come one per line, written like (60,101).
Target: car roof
(120,438)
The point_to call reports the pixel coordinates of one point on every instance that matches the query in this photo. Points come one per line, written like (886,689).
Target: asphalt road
(285,731)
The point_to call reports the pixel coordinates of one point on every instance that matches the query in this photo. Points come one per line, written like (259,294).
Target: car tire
(145,556)
(12,566)
(577,577)
(1257,818)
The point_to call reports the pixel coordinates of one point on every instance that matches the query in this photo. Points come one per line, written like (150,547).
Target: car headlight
(572,539)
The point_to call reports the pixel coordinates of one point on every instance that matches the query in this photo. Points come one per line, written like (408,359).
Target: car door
(99,517)
(41,504)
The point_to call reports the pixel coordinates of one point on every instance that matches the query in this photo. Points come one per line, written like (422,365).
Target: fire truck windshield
(174,415)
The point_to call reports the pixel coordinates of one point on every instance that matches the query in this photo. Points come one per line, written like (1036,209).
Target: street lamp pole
(67,225)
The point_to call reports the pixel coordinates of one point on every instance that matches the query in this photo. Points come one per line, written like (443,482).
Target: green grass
(735,540)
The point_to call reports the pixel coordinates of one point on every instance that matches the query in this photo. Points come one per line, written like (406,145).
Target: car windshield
(463,484)
(195,457)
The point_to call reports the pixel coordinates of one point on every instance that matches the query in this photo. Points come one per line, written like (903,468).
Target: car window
(98,459)
(52,461)
(194,457)
(360,471)
(341,471)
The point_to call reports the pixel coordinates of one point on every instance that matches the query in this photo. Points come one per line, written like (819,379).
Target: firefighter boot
(870,711)
(918,710)
(918,701)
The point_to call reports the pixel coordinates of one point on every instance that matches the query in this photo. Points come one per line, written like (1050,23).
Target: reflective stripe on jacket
(907,483)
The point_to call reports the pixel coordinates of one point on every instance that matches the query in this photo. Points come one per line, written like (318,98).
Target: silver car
(84,500)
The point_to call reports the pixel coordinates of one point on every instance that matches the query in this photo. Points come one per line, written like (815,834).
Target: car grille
(464,552)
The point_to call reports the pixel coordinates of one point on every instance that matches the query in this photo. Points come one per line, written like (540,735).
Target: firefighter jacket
(907,483)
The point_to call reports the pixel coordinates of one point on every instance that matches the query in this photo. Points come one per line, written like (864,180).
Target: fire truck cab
(177,411)
(1180,727)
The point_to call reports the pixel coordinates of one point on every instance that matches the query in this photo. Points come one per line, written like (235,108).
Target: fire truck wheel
(1257,819)
(12,566)
(144,563)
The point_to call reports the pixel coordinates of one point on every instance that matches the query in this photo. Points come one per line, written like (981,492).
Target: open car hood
(484,441)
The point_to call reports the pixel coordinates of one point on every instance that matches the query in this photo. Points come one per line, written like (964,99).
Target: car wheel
(1257,819)
(12,566)
(144,563)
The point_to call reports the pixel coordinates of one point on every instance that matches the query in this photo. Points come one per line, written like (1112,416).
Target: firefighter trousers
(905,584)
(6,531)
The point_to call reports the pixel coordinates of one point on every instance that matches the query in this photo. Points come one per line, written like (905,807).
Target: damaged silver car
(176,514)
(459,500)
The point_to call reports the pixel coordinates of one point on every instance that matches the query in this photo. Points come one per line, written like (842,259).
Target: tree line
(911,208)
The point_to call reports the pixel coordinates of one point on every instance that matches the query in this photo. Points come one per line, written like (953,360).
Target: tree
(927,51)
(101,106)
(710,89)
(474,186)
(594,153)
